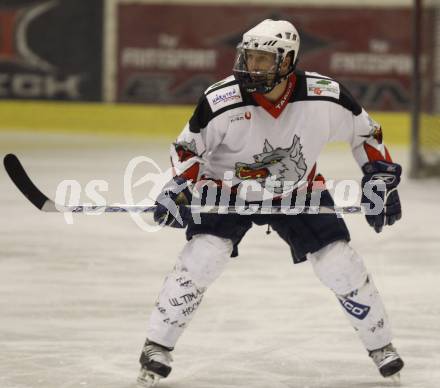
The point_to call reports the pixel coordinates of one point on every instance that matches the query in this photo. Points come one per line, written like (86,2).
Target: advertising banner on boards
(51,49)
(171,53)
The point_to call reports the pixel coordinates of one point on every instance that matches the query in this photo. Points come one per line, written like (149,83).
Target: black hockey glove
(381,178)
(170,204)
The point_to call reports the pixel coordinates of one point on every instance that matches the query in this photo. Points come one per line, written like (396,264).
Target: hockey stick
(22,181)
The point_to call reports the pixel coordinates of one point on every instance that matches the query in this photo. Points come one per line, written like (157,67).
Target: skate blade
(147,380)
(395,379)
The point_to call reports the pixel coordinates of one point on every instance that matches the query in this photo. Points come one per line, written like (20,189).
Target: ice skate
(388,362)
(155,364)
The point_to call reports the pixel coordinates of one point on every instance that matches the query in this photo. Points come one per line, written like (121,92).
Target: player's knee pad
(204,258)
(339,267)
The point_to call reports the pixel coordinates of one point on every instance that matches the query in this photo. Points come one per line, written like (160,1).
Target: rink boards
(159,121)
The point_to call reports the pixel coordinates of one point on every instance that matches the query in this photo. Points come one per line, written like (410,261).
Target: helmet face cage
(260,81)
(276,37)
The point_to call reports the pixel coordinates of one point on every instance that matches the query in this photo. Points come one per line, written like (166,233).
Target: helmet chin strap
(279,80)
(258,87)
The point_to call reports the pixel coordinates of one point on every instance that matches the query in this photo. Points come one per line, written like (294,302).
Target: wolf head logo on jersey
(280,166)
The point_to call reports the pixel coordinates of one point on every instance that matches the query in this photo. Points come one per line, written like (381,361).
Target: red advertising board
(171,53)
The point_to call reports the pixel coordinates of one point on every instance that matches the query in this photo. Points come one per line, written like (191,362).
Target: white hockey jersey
(274,145)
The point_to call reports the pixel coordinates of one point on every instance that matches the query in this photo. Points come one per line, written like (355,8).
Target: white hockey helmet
(279,37)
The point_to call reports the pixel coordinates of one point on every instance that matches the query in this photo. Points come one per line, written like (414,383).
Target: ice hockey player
(267,124)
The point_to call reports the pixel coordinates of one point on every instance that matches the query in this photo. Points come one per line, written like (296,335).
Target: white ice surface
(75,299)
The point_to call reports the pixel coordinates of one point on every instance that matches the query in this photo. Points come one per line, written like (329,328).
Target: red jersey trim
(275,109)
(191,173)
(374,154)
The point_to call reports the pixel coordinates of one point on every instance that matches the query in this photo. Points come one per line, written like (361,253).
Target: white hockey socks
(342,270)
(366,313)
(201,262)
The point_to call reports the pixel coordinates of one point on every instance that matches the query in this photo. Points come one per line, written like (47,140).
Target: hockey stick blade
(22,181)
